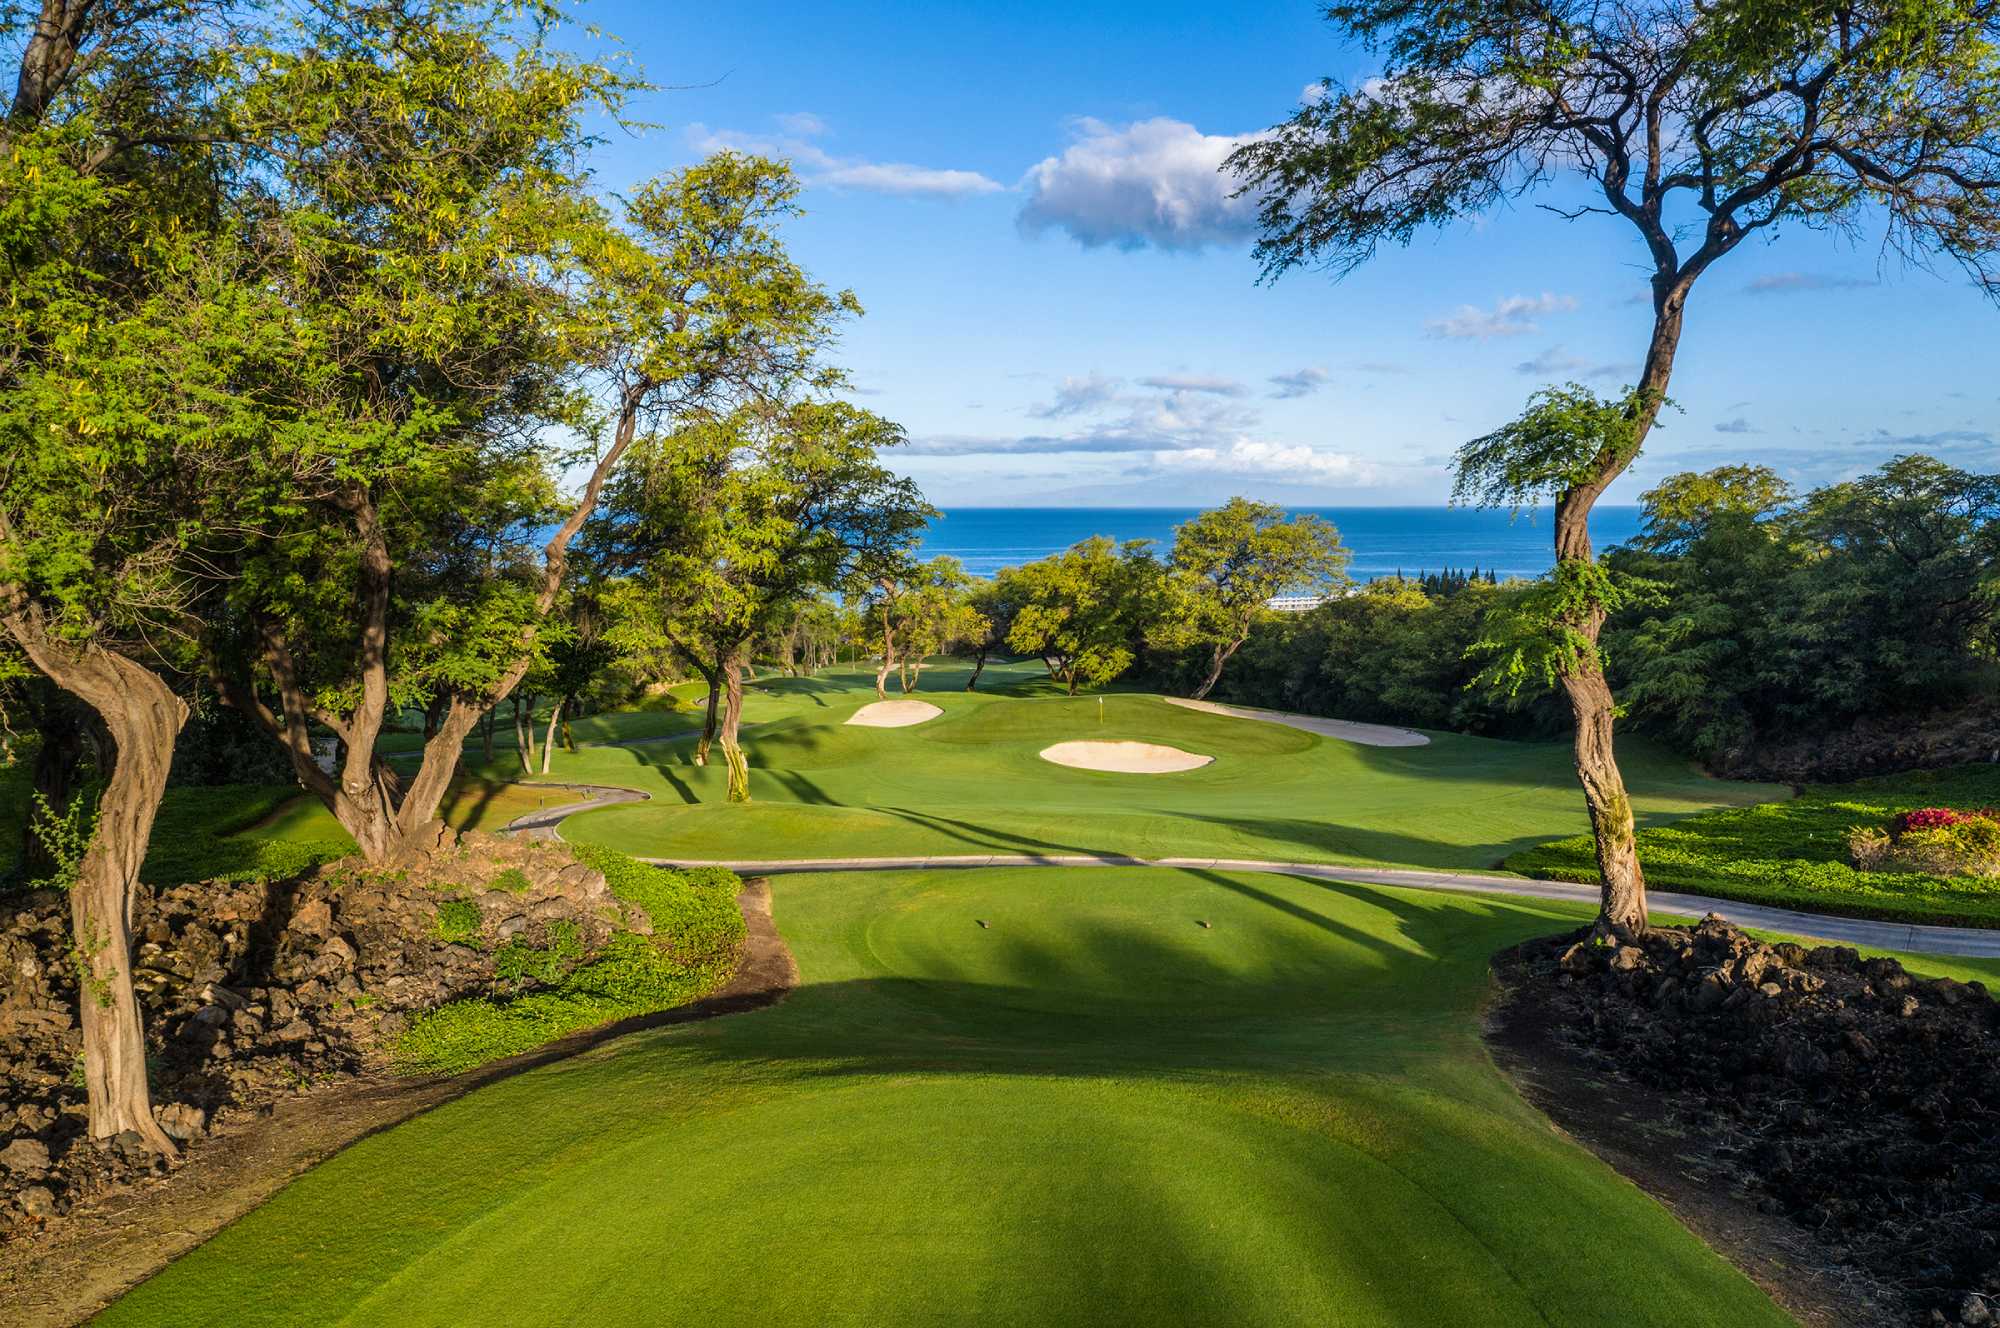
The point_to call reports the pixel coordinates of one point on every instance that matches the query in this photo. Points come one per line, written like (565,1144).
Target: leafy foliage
(1795,854)
(696,934)
(1086,611)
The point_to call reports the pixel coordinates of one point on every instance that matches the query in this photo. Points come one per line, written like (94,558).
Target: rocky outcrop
(1844,1094)
(254,991)
(1873,745)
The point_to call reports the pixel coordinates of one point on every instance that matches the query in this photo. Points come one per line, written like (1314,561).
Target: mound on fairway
(1125,758)
(1093,1110)
(893,714)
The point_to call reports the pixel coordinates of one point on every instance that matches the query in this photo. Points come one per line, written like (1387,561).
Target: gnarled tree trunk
(1622,902)
(732,720)
(1223,652)
(143,717)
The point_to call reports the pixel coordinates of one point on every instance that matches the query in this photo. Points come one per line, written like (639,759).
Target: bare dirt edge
(105,1248)
(1627,1128)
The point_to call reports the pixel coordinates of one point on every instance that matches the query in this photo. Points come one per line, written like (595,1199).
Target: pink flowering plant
(1937,841)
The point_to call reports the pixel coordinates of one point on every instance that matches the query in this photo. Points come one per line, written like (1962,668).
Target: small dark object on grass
(982,922)
(1201,922)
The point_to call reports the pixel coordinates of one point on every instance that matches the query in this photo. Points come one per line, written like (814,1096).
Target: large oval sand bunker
(893,714)
(1125,758)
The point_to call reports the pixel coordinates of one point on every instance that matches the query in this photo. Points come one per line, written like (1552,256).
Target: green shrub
(1797,854)
(514,881)
(697,932)
(520,963)
(457,920)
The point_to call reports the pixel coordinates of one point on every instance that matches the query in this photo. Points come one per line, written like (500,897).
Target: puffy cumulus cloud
(1512,317)
(1283,461)
(1222,387)
(822,167)
(1737,425)
(1793,283)
(1158,182)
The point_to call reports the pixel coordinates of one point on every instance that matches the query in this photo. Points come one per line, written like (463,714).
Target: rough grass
(697,932)
(1091,1110)
(1794,853)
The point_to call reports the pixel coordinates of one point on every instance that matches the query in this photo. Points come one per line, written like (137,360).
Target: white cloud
(803,123)
(1298,383)
(1075,394)
(1158,182)
(1313,93)
(1293,461)
(1222,387)
(822,167)
(1513,317)
(1737,425)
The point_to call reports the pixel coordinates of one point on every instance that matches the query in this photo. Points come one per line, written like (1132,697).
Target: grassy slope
(1094,1111)
(971,782)
(1795,853)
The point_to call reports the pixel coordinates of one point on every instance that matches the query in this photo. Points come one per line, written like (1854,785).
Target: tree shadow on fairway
(1333,838)
(986,837)
(1370,984)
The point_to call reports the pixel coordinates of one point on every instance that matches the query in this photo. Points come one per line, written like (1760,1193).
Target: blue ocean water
(1384,540)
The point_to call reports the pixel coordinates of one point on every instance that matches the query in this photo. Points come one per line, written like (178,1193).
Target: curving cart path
(1966,942)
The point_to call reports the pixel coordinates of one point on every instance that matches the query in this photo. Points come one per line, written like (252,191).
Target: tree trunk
(978,667)
(524,733)
(732,719)
(708,723)
(1622,900)
(1223,652)
(486,731)
(143,716)
(549,743)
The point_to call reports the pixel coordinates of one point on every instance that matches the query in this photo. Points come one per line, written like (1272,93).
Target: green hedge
(697,934)
(1794,854)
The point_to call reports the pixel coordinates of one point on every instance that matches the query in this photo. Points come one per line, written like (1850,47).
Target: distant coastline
(1385,540)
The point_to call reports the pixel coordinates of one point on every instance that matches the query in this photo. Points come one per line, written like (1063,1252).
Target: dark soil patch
(1831,1123)
(119,1236)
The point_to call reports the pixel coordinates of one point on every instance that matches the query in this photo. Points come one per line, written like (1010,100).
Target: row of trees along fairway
(1699,124)
(311,306)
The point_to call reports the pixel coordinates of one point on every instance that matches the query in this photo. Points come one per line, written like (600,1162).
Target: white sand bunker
(894,714)
(1125,758)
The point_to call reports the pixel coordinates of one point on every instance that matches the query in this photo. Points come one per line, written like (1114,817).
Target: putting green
(1091,1110)
(973,780)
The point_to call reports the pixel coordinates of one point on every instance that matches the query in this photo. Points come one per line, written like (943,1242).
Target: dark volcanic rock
(256,990)
(1853,1097)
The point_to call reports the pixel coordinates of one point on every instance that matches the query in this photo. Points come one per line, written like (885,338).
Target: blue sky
(1063,309)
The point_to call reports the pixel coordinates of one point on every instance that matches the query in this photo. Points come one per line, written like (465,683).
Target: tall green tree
(724,525)
(1082,610)
(1229,561)
(1698,126)
(123,406)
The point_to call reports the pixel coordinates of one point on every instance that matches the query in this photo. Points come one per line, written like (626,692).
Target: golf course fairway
(1091,1109)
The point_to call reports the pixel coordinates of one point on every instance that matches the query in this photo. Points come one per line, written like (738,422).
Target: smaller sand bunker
(893,714)
(1125,758)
